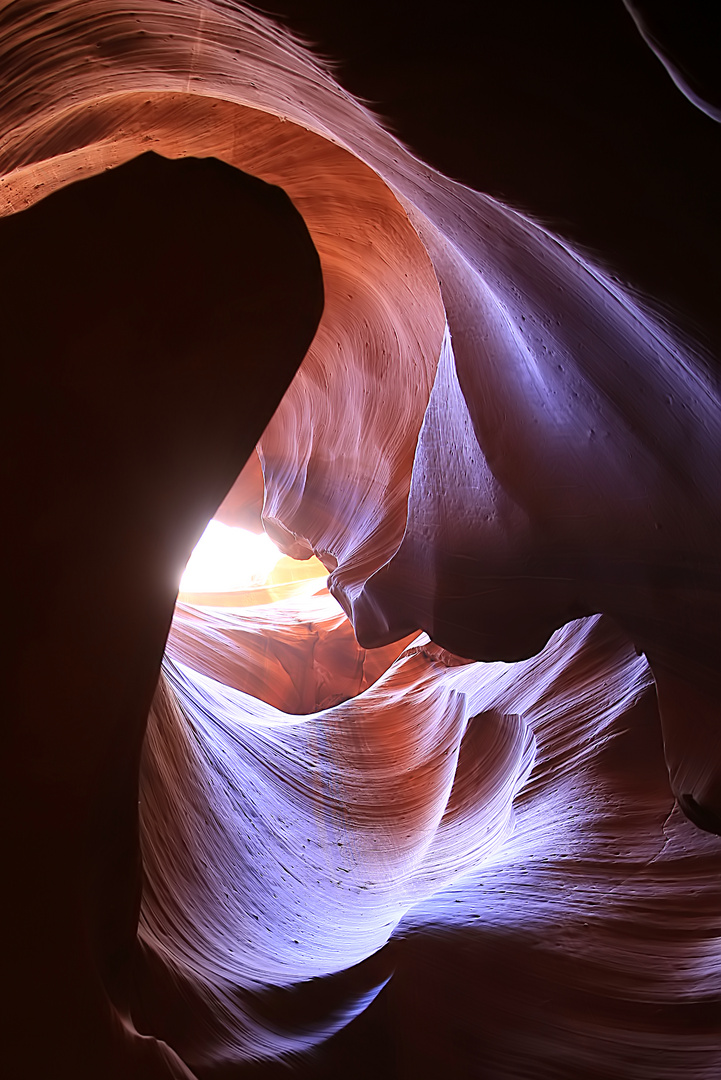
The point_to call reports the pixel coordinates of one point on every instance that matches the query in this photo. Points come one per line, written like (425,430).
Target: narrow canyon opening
(433,787)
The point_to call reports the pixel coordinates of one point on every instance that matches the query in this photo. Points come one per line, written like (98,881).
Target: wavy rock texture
(466,841)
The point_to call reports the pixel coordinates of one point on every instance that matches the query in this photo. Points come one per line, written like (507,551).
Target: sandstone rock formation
(453,810)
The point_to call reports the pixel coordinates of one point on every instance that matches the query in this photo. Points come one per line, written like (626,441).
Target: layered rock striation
(463,809)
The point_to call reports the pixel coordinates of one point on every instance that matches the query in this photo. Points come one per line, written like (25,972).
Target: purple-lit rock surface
(454,813)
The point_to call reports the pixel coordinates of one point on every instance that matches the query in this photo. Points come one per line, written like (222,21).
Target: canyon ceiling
(442,798)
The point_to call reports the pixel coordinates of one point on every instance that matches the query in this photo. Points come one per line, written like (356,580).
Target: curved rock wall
(464,840)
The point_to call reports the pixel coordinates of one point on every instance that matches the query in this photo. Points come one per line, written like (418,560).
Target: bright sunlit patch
(226,559)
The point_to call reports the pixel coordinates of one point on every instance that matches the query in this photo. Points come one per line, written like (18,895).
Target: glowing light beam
(227,558)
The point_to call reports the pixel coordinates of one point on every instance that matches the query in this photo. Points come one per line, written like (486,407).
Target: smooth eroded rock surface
(463,824)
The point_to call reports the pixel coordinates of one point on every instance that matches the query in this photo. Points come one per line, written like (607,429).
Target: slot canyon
(431,298)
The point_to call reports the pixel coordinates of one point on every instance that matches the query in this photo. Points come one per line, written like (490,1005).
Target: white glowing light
(226,559)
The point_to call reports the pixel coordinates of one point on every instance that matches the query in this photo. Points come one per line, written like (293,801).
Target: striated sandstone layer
(451,826)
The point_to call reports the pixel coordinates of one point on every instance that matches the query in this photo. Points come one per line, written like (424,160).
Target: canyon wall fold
(455,813)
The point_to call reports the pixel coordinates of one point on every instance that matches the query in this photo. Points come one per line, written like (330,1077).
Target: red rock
(488,439)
